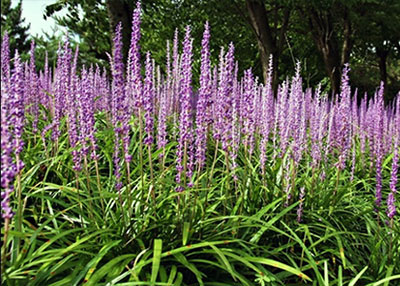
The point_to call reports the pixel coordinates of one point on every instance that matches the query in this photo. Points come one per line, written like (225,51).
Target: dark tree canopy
(322,34)
(13,23)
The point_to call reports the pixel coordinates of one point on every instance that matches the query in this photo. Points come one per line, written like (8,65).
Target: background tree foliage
(13,23)
(322,34)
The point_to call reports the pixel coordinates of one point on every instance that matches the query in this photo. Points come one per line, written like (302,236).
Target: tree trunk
(269,41)
(121,11)
(382,55)
(324,37)
(347,41)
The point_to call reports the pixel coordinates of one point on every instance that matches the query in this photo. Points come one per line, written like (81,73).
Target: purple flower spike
(148,101)
(5,65)
(134,78)
(17,108)
(300,208)
(185,120)
(204,97)
(391,208)
(379,129)
(34,88)
(12,123)
(118,107)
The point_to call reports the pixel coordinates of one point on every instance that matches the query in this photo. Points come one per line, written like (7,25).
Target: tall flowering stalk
(17,112)
(118,103)
(134,97)
(162,123)
(185,120)
(176,78)
(5,64)
(87,108)
(148,101)
(282,124)
(247,108)
(163,110)
(148,105)
(235,127)
(218,98)
(134,78)
(379,113)
(227,99)
(267,115)
(8,168)
(13,118)
(301,205)
(34,88)
(62,85)
(391,208)
(343,122)
(202,103)
(73,114)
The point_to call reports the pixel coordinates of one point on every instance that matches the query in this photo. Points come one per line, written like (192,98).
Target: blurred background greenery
(322,34)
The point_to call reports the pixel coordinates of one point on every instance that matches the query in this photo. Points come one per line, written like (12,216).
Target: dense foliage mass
(136,178)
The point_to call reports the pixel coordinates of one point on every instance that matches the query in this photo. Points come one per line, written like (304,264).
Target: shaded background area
(322,34)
